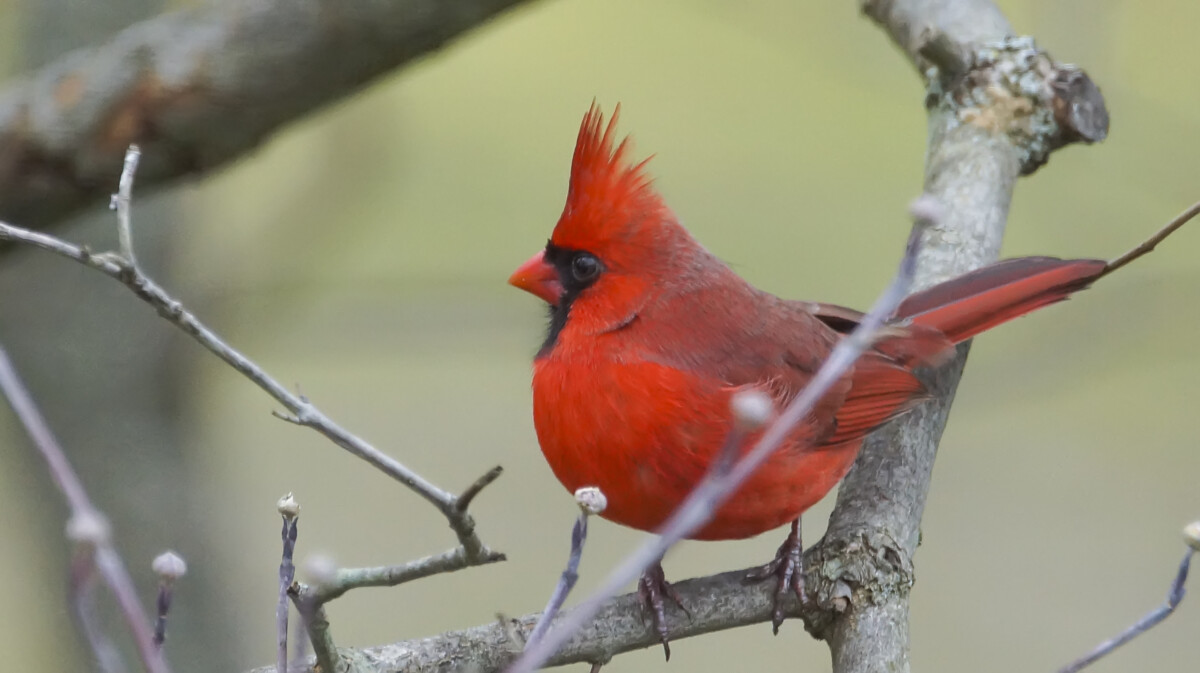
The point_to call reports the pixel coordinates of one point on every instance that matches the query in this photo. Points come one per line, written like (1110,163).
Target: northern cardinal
(650,335)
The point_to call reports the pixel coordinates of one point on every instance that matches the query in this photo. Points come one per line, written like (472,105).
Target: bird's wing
(757,340)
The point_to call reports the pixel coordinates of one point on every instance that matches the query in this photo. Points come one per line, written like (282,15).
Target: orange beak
(539,277)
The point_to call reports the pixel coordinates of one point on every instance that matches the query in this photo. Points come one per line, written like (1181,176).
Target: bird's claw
(652,589)
(787,568)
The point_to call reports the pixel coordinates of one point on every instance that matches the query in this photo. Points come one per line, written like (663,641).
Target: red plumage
(651,335)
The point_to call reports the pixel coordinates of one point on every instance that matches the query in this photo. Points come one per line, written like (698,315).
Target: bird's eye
(585,267)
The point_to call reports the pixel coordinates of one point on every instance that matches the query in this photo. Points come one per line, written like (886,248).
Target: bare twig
(591,501)
(1149,244)
(108,562)
(300,641)
(289,511)
(566,581)
(320,571)
(465,498)
(302,411)
(312,613)
(82,581)
(347,579)
(121,203)
(1174,597)
(715,489)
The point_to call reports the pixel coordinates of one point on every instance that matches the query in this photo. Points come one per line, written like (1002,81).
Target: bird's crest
(608,197)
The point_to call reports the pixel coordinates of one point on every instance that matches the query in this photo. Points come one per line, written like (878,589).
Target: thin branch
(347,579)
(566,581)
(121,202)
(1174,598)
(199,88)
(316,623)
(108,562)
(304,412)
(1149,244)
(464,500)
(702,503)
(289,512)
(591,500)
(300,641)
(82,581)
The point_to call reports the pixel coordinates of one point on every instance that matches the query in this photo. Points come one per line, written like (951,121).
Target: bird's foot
(788,571)
(653,588)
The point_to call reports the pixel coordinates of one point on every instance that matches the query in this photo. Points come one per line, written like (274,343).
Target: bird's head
(615,241)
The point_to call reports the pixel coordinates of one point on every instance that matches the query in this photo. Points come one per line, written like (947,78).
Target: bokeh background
(362,255)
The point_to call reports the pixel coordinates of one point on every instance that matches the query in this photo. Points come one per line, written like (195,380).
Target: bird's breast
(645,434)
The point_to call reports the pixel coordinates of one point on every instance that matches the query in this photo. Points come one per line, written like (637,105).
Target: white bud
(288,507)
(169,566)
(591,499)
(751,409)
(1191,535)
(926,209)
(88,527)
(320,569)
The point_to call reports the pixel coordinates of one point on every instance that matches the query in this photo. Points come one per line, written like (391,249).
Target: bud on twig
(288,507)
(591,499)
(169,566)
(1191,535)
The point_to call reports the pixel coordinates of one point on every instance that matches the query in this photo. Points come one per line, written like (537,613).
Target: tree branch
(987,126)
(347,579)
(301,410)
(717,603)
(198,88)
(1155,617)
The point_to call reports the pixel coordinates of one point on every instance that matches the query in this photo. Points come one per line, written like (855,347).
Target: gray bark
(198,88)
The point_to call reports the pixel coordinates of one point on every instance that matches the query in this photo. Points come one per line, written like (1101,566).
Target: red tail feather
(962,307)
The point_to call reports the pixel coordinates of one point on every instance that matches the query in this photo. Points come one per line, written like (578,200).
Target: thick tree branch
(988,125)
(198,88)
(716,603)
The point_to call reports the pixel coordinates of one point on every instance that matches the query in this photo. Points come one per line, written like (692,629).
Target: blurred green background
(362,255)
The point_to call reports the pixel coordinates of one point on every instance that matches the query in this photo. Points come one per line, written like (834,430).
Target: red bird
(650,335)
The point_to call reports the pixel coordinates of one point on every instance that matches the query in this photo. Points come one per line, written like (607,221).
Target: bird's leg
(652,589)
(788,570)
